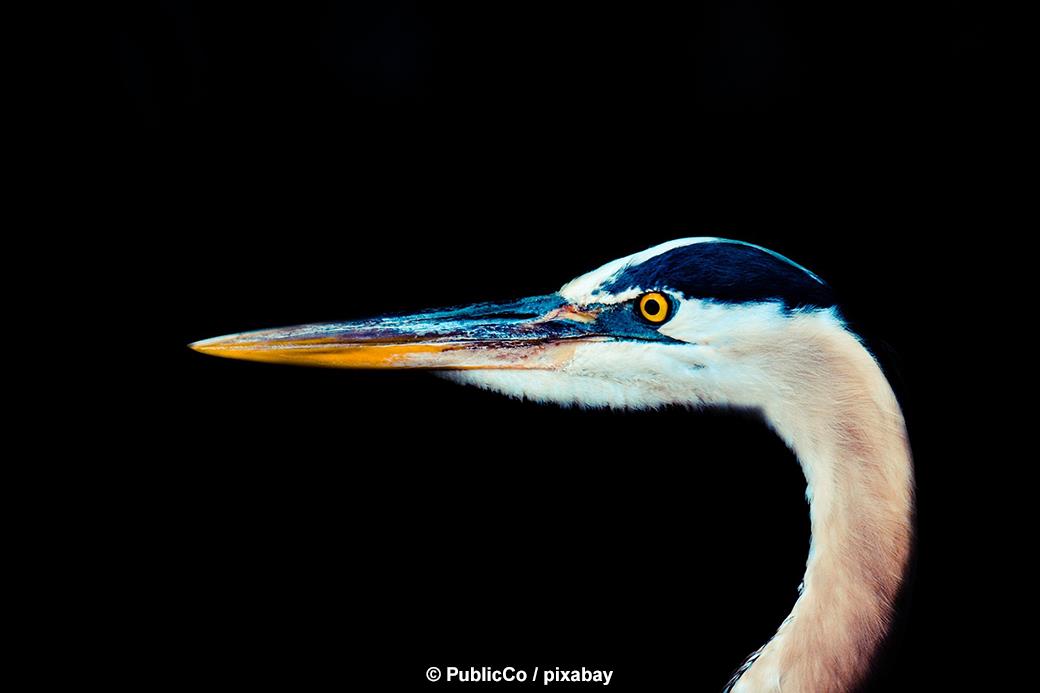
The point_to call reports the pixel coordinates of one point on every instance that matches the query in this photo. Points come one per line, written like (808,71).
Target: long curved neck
(837,412)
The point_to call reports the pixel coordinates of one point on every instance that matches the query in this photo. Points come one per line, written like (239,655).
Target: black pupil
(652,307)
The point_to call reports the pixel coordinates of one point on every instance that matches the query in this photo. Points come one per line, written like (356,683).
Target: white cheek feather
(723,357)
(566,390)
(619,375)
(718,361)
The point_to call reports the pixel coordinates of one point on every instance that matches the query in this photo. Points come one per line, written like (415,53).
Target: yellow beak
(534,333)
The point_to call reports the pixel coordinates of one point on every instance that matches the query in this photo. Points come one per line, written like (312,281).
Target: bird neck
(838,414)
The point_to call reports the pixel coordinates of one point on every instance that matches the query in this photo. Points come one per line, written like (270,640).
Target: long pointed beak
(533,333)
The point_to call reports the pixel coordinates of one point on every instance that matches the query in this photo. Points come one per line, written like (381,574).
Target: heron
(696,322)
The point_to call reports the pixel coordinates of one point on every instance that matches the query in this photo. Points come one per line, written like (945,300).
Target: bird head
(680,323)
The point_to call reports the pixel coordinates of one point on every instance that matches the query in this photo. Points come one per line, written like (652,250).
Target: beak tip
(205,346)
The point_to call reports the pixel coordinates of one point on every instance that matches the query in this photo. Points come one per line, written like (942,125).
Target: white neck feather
(839,415)
(826,397)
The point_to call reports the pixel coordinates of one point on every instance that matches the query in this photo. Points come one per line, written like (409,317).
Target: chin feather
(570,390)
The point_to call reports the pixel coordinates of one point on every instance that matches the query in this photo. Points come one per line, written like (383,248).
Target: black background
(279,165)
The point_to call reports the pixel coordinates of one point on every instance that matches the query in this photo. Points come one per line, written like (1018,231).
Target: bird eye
(654,307)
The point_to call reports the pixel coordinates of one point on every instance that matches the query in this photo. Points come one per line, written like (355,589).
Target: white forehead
(585,289)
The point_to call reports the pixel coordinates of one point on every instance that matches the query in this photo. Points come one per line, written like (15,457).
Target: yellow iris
(654,307)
